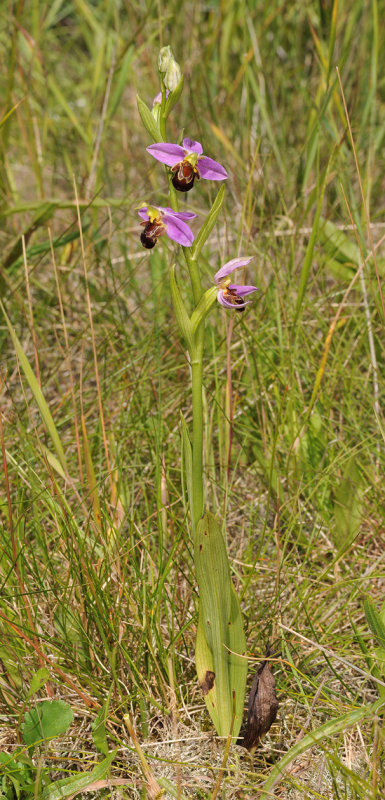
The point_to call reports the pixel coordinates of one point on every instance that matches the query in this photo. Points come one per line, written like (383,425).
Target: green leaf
(205,304)
(47,720)
(238,663)
(375,622)
(373,660)
(348,501)
(340,271)
(18,769)
(37,393)
(72,786)
(39,679)
(148,120)
(187,460)
(314,738)
(220,642)
(337,244)
(380,656)
(182,317)
(98,729)
(53,461)
(208,224)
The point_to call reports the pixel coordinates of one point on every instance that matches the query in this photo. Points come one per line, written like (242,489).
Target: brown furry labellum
(231,296)
(263,707)
(184,176)
(152,231)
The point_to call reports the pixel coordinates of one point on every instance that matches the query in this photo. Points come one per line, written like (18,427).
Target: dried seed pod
(263,707)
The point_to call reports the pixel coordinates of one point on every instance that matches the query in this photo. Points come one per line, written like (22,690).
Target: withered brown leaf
(263,707)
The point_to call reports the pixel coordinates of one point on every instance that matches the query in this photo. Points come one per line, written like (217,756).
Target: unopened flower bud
(157,104)
(165,56)
(173,75)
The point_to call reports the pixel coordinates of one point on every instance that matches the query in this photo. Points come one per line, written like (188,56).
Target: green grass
(96,568)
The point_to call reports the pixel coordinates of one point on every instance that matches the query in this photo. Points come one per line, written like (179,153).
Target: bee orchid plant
(220,649)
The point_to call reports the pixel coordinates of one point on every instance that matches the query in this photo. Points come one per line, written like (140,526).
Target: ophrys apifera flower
(187,162)
(231,295)
(159,221)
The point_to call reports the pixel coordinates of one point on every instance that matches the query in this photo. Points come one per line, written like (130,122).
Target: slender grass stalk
(108,467)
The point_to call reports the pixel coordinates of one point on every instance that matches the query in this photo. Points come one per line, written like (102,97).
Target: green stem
(162,118)
(173,195)
(196,356)
(197,400)
(195,277)
(197,437)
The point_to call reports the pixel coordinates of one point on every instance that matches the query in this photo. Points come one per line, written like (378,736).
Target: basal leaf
(39,679)
(348,500)
(220,645)
(47,720)
(375,622)
(338,244)
(98,729)
(69,787)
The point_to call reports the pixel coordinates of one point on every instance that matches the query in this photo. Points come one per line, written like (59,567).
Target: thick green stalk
(162,118)
(196,357)
(197,402)
(197,437)
(195,277)
(173,196)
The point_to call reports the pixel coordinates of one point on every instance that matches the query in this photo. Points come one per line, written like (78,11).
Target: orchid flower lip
(234,303)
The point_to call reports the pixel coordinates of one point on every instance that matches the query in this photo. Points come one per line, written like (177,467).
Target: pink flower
(187,163)
(158,98)
(159,220)
(230,295)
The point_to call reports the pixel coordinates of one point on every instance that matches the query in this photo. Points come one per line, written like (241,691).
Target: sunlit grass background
(96,565)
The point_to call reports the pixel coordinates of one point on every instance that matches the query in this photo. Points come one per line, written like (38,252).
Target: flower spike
(230,295)
(159,220)
(187,162)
